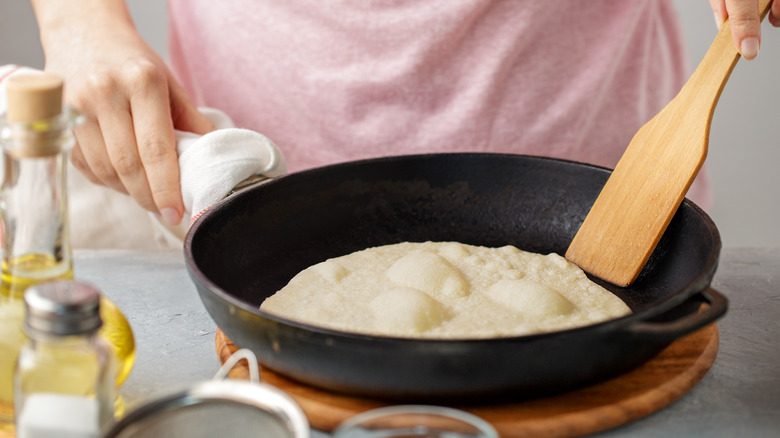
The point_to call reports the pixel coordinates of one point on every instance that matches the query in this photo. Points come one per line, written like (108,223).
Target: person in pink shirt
(332,81)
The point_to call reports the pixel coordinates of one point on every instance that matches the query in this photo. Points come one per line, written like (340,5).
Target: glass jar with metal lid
(66,373)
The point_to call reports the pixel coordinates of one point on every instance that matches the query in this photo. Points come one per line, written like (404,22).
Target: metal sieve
(220,407)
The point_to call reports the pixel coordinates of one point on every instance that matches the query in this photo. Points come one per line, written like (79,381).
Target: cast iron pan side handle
(248,183)
(671,330)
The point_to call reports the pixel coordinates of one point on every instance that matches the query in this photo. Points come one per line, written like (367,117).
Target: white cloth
(210,166)
(213,164)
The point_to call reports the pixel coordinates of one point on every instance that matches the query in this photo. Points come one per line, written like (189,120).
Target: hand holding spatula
(651,179)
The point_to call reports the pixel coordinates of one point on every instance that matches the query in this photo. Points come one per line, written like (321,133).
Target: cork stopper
(34,102)
(34,97)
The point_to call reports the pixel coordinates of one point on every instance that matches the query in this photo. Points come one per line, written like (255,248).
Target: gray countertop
(740,396)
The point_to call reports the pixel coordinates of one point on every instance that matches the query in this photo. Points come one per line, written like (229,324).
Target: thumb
(745,22)
(185,114)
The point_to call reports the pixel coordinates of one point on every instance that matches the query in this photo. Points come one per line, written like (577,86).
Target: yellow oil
(77,364)
(17,276)
(11,340)
(118,333)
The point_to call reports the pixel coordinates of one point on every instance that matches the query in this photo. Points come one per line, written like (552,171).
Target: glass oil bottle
(36,136)
(65,376)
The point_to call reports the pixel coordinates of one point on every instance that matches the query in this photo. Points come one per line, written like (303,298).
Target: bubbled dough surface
(445,290)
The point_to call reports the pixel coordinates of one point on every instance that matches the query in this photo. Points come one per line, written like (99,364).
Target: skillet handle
(716,307)
(247,183)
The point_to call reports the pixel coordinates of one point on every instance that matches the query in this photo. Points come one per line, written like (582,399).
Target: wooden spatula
(650,181)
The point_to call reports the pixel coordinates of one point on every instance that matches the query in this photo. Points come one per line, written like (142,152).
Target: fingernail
(170,215)
(749,48)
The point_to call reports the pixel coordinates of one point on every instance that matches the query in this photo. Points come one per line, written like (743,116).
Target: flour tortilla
(445,290)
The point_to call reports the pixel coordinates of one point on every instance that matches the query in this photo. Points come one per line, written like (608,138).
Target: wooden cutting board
(621,400)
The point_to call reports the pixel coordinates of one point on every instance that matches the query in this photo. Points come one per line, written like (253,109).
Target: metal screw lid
(62,308)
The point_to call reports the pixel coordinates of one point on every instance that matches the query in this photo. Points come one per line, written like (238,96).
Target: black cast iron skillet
(248,247)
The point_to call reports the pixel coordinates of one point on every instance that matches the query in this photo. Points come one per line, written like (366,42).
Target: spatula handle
(649,182)
(715,68)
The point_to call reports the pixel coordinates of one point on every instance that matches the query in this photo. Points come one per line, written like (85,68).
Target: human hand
(745,22)
(131,104)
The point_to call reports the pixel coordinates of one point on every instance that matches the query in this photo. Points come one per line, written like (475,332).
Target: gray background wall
(744,150)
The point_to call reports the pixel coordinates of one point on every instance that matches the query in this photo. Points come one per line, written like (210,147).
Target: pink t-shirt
(340,80)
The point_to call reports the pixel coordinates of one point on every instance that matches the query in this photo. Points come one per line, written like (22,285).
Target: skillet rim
(693,288)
